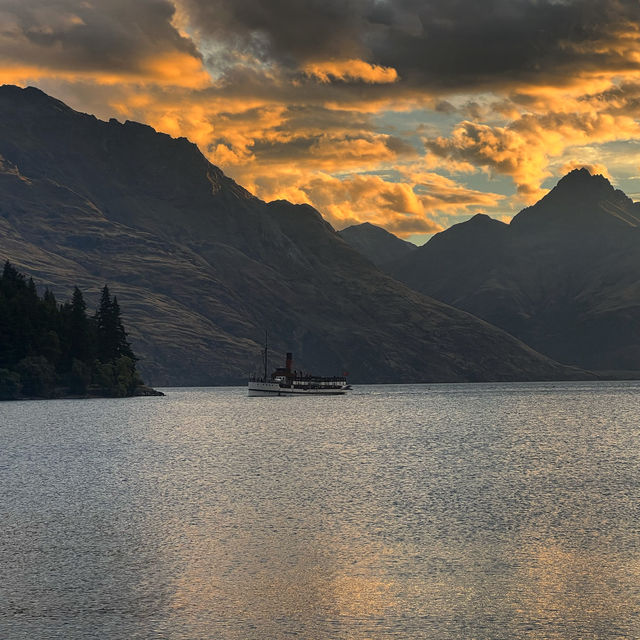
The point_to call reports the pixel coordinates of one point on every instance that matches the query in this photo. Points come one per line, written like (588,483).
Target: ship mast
(265,355)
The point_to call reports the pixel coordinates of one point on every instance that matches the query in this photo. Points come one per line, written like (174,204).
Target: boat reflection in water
(284,382)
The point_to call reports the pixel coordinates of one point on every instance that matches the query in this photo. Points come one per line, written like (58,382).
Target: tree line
(48,349)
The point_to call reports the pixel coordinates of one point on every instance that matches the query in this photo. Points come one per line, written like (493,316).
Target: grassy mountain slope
(201,267)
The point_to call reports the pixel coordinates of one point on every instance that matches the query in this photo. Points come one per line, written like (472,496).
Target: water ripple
(418,511)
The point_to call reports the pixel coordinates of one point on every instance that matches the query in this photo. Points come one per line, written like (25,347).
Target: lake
(448,512)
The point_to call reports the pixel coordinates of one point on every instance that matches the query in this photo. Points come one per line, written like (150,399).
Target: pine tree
(78,327)
(112,338)
(17,311)
(12,280)
(105,328)
(123,347)
(47,349)
(48,298)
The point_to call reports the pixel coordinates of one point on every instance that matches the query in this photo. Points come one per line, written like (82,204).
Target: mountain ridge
(564,276)
(582,200)
(203,267)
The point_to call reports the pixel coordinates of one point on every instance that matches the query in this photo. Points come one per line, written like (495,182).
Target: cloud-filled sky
(410,114)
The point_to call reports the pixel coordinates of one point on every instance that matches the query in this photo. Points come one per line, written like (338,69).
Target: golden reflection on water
(553,593)
(558,593)
(359,596)
(466,557)
(268,579)
(491,513)
(545,591)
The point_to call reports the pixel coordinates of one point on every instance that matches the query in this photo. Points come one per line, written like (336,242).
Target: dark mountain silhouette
(564,276)
(202,267)
(376,243)
(580,203)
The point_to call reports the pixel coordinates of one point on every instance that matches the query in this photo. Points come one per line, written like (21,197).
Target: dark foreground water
(444,512)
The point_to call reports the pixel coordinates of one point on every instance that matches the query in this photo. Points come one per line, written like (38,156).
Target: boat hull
(257,389)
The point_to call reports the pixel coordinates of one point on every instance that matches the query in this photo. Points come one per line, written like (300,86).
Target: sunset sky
(410,114)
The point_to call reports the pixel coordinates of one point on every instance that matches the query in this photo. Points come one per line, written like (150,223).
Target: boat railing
(314,382)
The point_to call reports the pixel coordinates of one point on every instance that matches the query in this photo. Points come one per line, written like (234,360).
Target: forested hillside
(49,349)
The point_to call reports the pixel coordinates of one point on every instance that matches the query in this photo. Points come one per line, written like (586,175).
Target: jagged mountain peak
(364,225)
(580,201)
(479,217)
(44,138)
(372,230)
(31,95)
(582,175)
(564,276)
(35,114)
(367,227)
(581,184)
(377,244)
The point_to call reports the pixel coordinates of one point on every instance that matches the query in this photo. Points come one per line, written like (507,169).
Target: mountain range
(563,276)
(201,267)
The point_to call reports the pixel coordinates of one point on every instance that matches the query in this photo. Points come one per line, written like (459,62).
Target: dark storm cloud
(502,41)
(286,29)
(112,35)
(435,43)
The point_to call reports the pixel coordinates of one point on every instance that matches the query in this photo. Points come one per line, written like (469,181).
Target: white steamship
(286,382)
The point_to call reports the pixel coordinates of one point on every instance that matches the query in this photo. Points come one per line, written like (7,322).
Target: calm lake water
(480,511)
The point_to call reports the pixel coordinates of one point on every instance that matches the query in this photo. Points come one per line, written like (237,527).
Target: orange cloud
(176,69)
(593,168)
(173,69)
(525,148)
(405,207)
(439,193)
(337,151)
(361,198)
(349,70)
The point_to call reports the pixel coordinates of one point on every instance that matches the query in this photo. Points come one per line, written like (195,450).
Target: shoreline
(141,392)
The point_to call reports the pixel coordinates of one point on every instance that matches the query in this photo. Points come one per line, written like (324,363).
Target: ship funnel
(289,362)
